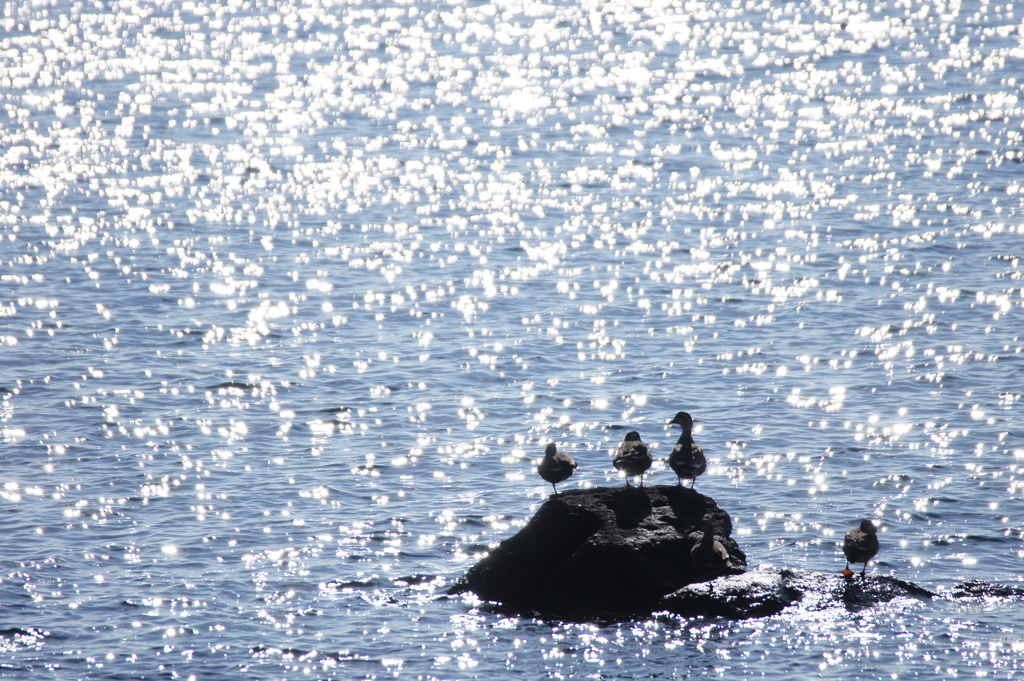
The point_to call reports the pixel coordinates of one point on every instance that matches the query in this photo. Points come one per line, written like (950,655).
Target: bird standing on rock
(709,555)
(556,466)
(633,457)
(860,546)
(687,457)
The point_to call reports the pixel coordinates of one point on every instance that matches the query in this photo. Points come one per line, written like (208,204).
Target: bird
(709,555)
(633,457)
(860,546)
(687,457)
(556,466)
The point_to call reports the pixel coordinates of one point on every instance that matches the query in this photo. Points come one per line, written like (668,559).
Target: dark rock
(859,592)
(616,553)
(760,593)
(974,588)
(601,552)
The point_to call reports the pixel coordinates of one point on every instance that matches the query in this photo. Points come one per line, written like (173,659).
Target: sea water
(294,294)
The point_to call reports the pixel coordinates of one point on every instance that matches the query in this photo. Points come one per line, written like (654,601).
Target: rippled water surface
(292,296)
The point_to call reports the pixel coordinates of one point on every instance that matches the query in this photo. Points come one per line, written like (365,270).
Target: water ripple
(292,298)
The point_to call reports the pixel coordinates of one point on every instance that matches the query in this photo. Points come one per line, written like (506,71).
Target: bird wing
(634,451)
(860,543)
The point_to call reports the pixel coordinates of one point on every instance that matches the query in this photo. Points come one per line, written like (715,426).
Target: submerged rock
(757,593)
(601,552)
(760,593)
(974,588)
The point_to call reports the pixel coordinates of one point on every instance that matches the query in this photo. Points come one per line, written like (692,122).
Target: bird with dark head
(860,546)
(687,457)
(633,458)
(556,466)
(709,555)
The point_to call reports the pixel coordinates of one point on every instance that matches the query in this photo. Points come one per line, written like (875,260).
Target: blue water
(292,296)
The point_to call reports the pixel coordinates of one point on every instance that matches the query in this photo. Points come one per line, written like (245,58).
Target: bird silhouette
(709,555)
(556,466)
(860,546)
(687,457)
(633,457)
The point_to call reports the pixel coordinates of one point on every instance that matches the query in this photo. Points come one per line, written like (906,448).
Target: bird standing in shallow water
(687,457)
(860,546)
(709,555)
(633,457)
(556,466)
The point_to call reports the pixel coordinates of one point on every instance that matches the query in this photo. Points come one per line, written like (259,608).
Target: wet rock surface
(763,592)
(759,593)
(624,552)
(601,552)
(974,588)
